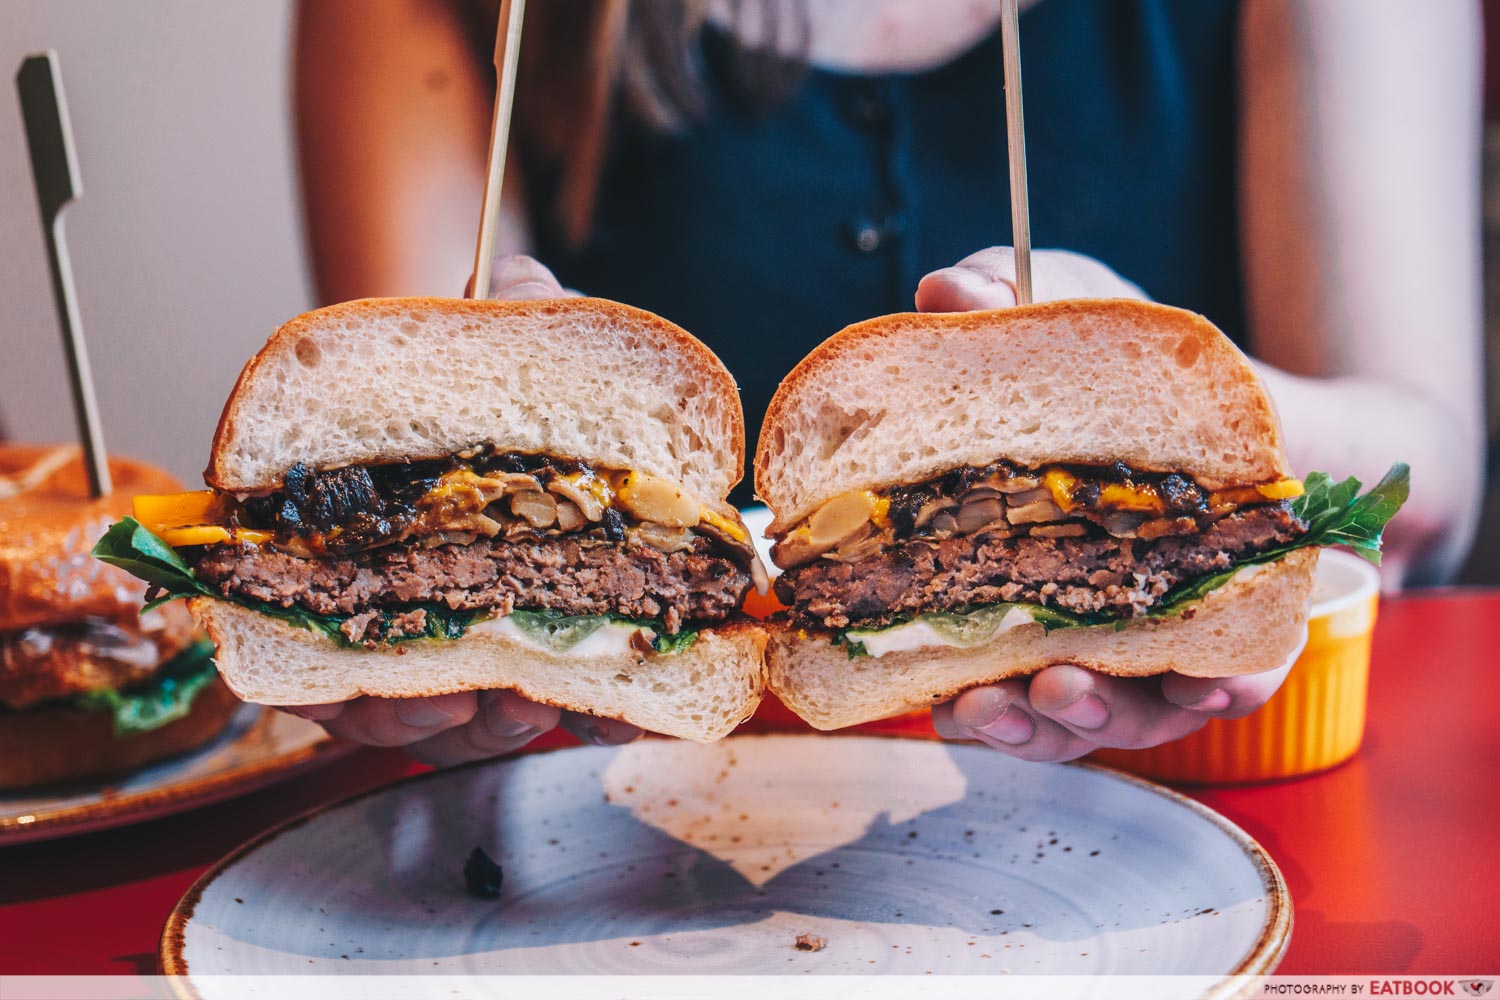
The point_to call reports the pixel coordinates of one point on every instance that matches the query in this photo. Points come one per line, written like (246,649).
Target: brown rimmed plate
(259,747)
(902,856)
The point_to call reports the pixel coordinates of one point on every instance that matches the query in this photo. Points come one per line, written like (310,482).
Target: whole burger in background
(89,685)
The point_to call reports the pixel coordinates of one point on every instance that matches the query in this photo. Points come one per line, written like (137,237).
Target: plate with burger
(108,713)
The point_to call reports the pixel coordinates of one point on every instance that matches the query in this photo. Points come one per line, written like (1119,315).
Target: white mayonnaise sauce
(917,634)
(606,640)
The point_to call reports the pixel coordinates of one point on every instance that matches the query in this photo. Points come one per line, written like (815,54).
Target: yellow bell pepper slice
(176,509)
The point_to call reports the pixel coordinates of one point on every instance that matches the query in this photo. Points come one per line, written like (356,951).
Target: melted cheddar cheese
(592,484)
(1286,489)
(211,534)
(1145,498)
(1060,483)
(1121,496)
(724,524)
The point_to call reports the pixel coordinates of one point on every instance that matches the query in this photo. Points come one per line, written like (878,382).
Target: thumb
(987,280)
(518,277)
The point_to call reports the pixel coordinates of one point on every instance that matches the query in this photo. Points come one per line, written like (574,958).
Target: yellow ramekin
(1315,720)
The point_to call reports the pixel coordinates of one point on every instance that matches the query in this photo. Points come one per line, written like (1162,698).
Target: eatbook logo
(1477,987)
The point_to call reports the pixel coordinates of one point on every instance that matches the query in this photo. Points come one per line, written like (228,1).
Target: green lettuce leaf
(556,631)
(675,643)
(132,547)
(442,622)
(1056,618)
(1336,514)
(167,696)
(853,647)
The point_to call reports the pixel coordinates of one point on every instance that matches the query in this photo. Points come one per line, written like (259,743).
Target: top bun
(902,398)
(385,380)
(48,526)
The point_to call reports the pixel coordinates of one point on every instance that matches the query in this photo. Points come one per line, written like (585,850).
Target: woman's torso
(763,236)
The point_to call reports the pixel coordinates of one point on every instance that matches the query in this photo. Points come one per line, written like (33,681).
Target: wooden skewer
(507,54)
(49,137)
(1015,130)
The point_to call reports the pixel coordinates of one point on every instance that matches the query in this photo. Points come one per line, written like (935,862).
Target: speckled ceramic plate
(259,746)
(892,856)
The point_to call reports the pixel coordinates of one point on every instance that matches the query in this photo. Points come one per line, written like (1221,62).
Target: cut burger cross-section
(1082,575)
(964,498)
(519,495)
(479,532)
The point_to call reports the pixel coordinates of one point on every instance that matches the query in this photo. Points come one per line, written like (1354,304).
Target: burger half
(967,497)
(89,685)
(417,496)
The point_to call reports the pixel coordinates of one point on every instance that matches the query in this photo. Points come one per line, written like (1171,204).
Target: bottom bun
(1255,622)
(701,693)
(59,742)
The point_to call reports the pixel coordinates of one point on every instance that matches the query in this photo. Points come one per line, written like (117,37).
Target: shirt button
(868,110)
(865,235)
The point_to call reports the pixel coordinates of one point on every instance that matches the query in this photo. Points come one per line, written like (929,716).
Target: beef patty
(1123,576)
(570,575)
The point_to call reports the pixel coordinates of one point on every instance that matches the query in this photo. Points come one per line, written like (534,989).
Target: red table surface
(1392,859)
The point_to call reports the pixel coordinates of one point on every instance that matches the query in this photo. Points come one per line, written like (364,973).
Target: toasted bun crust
(1252,623)
(701,693)
(383,380)
(902,398)
(49,524)
(39,746)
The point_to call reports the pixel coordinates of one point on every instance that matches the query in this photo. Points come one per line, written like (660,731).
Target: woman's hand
(519,278)
(469,725)
(1064,711)
(454,728)
(987,280)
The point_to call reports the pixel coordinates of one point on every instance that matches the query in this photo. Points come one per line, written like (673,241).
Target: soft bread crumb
(701,693)
(391,379)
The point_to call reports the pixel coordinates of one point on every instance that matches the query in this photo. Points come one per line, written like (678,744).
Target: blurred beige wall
(186,245)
